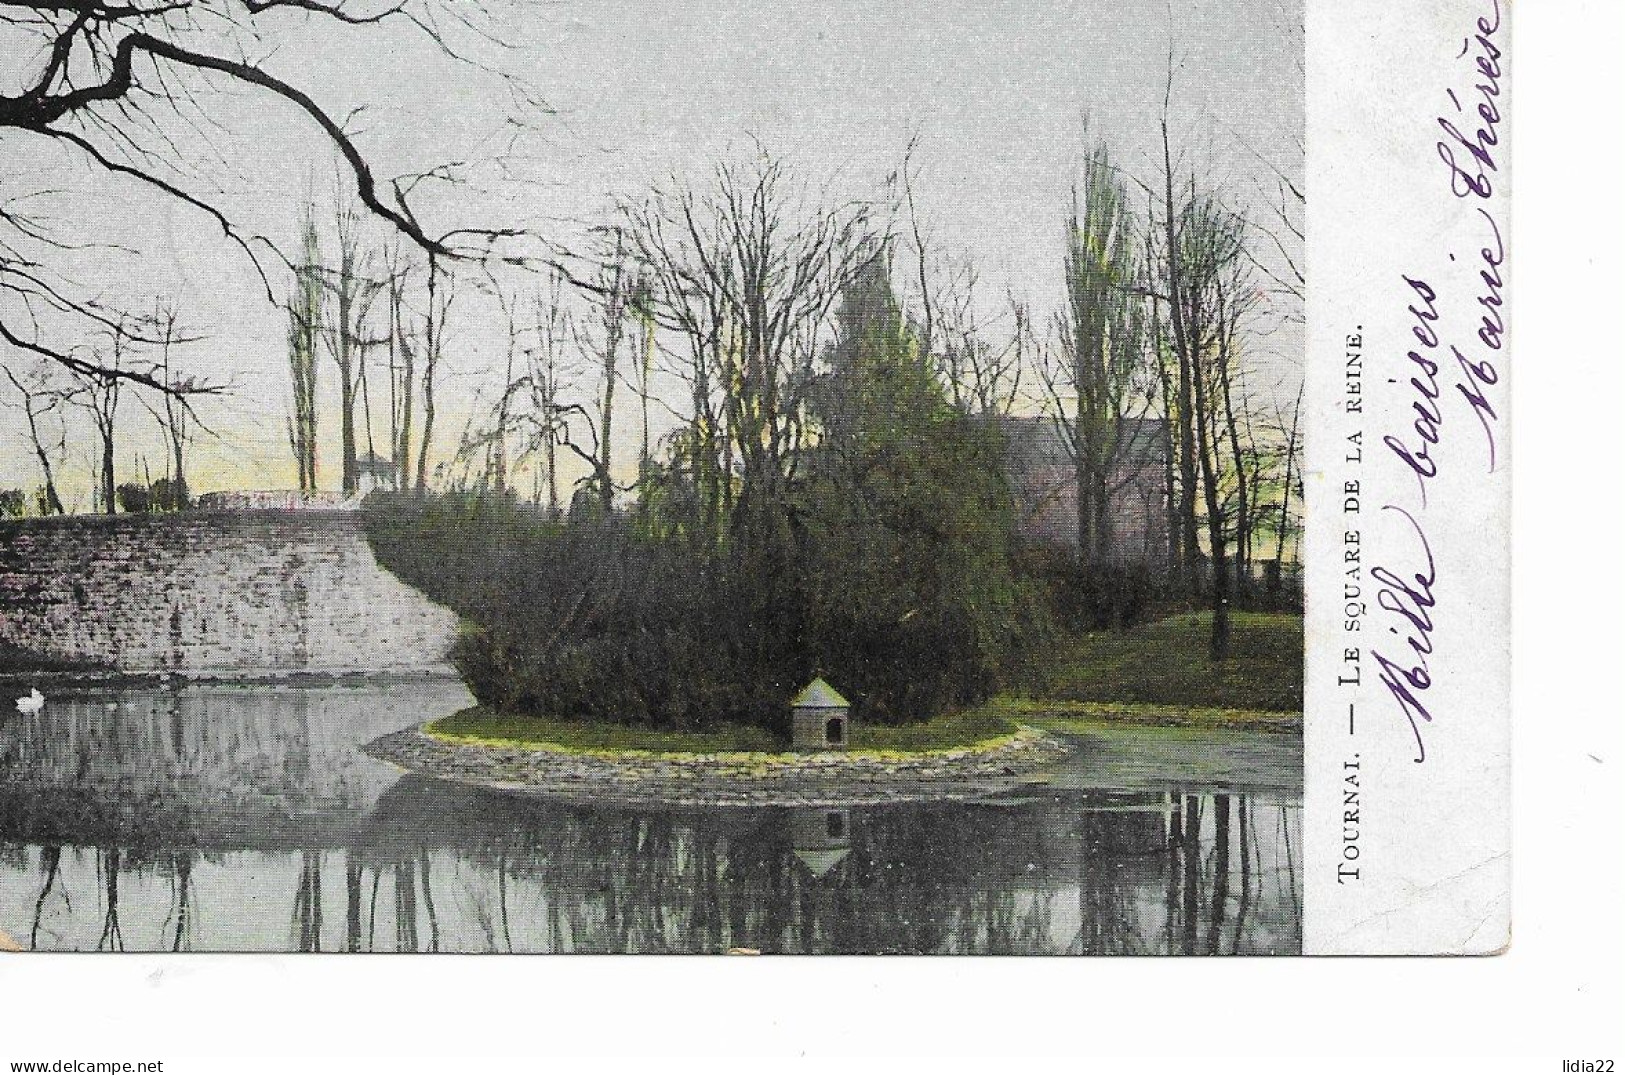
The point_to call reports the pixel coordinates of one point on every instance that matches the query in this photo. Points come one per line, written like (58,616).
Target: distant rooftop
(1038,440)
(376,465)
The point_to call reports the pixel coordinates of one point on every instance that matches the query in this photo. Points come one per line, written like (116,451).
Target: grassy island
(983,726)
(1154,675)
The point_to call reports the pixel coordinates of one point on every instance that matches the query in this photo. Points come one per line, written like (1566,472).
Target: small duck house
(819,718)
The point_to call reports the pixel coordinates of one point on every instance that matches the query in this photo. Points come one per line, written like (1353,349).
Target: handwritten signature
(1410,598)
(1469,150)
(1470,174)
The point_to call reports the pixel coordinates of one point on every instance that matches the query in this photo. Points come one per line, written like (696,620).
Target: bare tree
(433,338)
(503,418)
(1099,385)
(615,290)
(680,300)
(984,373)
(1235,302)
(112,86)
(351,293)
(304,334)
(921,247)
(42,402)
(401,389)
(1207,245)
(506,415)
(1201,278)
(643,353)
(750,269)
(411,337)
(1179,399)
(981,378)
(543,385)
(99,393)
(173,410)
(1292,480)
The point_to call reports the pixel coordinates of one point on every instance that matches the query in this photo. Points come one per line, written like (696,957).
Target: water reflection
(211,820)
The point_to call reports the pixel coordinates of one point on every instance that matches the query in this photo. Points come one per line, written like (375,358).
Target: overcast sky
(995,92)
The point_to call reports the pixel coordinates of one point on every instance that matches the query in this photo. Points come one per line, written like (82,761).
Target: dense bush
(908,529)
(1096,597)
(601,619)
(161,495)
(883,565)
(134,498)
(583,617)
(166,495)
(569,618)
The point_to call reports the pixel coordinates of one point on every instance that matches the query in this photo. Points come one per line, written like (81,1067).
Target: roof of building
(375,464)
(1036,440)
(819,695)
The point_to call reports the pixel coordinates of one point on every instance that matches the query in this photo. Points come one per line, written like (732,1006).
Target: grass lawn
(480,725)
(1066,716)
(1165,664)
(510,729)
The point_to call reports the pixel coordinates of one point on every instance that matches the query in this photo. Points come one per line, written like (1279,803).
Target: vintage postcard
(1026,478)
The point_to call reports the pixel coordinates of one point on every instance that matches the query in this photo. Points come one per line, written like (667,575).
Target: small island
(1008,742)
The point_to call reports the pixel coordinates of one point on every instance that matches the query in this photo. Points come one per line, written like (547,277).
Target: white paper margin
(1432,838)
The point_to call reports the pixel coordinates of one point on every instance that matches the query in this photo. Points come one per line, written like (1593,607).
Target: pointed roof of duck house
(819,695)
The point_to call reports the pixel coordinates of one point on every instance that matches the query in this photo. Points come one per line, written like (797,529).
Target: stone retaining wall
(240,594)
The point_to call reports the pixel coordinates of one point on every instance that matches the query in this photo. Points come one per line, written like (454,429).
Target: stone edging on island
(635,779)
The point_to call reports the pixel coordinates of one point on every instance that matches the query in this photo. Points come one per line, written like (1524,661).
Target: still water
(231,819)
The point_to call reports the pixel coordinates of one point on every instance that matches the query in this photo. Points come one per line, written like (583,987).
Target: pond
(247,819)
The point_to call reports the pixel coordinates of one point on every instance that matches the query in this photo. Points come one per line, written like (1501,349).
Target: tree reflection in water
(211,823)
(1095,874)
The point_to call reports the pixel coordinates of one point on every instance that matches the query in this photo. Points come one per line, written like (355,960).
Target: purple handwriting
(1417,455)
(1408,596)
(1470,151)
(1470,158)
(1478,375)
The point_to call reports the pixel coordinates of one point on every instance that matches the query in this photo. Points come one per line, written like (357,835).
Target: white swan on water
(32,702)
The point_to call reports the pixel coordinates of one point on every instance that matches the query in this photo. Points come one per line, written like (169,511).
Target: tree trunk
(183,494)
(109,492)
(1170,446)
(1219,637)
(1082,477)
(435,326)
(403,449)
(1191,543)
(606,486)
(551,453)
(1286,483)
(1243,503)
(349,480)
(53,502)
(345,339)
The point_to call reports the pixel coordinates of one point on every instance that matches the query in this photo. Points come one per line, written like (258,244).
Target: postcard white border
(1407,736)
(1555,994)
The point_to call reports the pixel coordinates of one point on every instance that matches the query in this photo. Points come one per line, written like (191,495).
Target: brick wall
(246,593)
